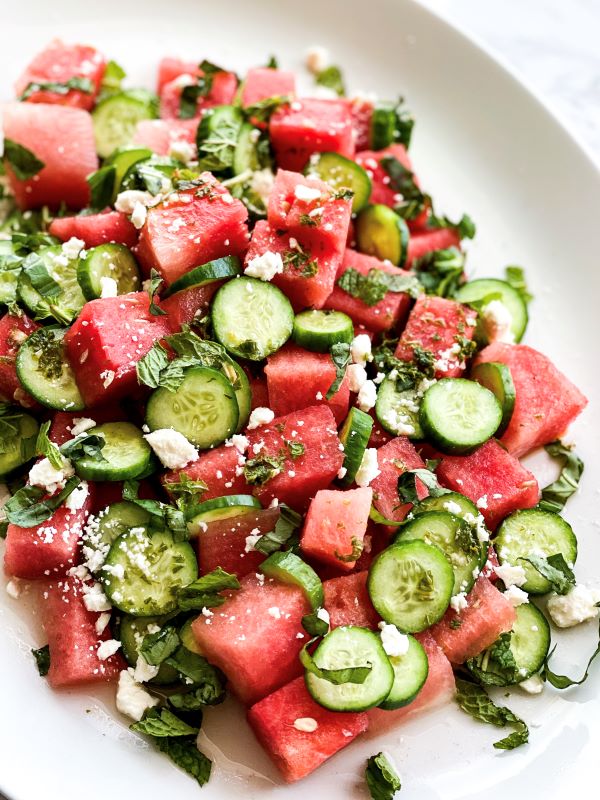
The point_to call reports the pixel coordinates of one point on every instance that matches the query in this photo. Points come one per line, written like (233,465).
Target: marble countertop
(552,44)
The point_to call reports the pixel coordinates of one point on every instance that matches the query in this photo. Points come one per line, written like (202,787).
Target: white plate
(482,144)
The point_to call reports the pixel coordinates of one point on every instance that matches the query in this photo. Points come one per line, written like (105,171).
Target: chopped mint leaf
(27,509)
(557,493)
(156,647)
(440,271)
(22,161)
(155,282)
(188,103)
(374,286)
(102,187)
(184,753)
(474,700)
(496,666)
(287,525)
(261,469)
(76,83)
(403,182)
(42,659)
(556,570)
(382,779)
(160,723)
(332,78)
(340,355)
(516,277)
(314,625)
(205,591)
(44,447)
(355,554)
(203,676)
(407,485)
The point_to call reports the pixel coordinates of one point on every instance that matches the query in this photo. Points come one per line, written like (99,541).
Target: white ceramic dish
(482,144)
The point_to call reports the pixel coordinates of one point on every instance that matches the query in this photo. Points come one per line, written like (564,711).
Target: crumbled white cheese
(73,247)
(102,622)
(252,539)
(306,724)
(138,215)
(533,685)
(306,194)
(579,605)
(515,596)
(108,648)
(94,598)
(482,502)
(511,576)
(261,183)
(13,588)
(497,321)
(182,151)
(369,468)
(459,602)
(43,474)
(274,612)
(479,524)
(132,699)
(317,59)
(452,507)
(172,448)
(357,376)
(394,643)
(367,396)
(323,615)
(108,287)
(81,425)
(143,671)
(360,349)
(240,442)
(265,266)
(342,471)
(76,500)
(127,201)
(260,416)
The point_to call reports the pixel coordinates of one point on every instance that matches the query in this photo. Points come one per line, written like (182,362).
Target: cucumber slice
(318,330)
(458,415)
(350,646)
(45,372)
(382,233)
(67,301)
(188,640)
(115,118)
(289,568)
(410,673)
(217,270)
(243,392)
(204,408)
(131,635)
(341,173)
(12,453)
(534,532)
(454,502)
(245,156)
(478,290)
(455,538)
(219,508)
(143,574)
(497,378)
(410,585)
(123,159)
(251,318)
(126,454)
(108,261)
(398,412)
(354,435)
(111,522)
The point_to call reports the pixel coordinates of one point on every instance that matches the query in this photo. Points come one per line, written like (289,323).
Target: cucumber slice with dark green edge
(143,573)
(455,503)
(458,415)
(534,532)
(243,392)
(131,635)
(478,290)
(351,646)
(289,568)
(12,455)
(115,118)
(251,318)
(45,372)
(219,508)
(398,412)
(125,455)
(108,261)
(497,378)
(455,538)
(410,673)
(410,585)
(188,640)
(66,300)
(341,173)
(354,435)
(217,270)
(382,233)
(123,159)
(318,330)
(245,156)
(113,521)
(204,408)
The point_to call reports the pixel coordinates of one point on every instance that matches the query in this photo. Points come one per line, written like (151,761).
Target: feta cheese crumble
(357,377)
(265,266)
(533,685)
(369,468)
(459,602)
(172,448)
(108,287)
(511,576)
(252,539)
(260,416)
(81,425)
(73,247)
(76,500)
(13,588)
(261,184)
(44,475)
(316,59)
(306,194)
(107,649)
(143,671)
(133,699)
(515,596)
(367,396)
(94,598)
(497,321)
(394,643)
(306,724)
(579,605)
(360,349)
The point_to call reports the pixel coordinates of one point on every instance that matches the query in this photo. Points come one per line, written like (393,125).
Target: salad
(260,433)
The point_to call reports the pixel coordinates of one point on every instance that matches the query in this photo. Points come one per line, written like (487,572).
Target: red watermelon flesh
(191,228)
(218,469)
(336,522)
(487,615)
(347,601)
(182,307)
(314,374)
(63,139)
(361,111)
(297,753)
(64,421)
(107,340)
(96,229)
(438,689)
(423,242)
(260,392)
(171,68)
(223,543)
(300,478)
(13,332)
(264,82)
(546,400)
(384,315)
(254,636)
(222,92)
(159,135)
(58,63)
(493,479)
(310,281)
(72,638)
(437,324)
(394,458)
(310,126)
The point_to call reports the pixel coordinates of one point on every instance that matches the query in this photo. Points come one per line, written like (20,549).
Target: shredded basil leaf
(314,625)
(102,187)
(287,525)
(474,700)
(382,779)
(155,281)
(27,509)
(403,182)
(205,591)
(557,493)
(185,754)
(332,78)
(563,681)
(340,355)
(42,659)
(407,485)
(23,162)
(556,570)
(496,666)
(44,447)
(76,83)
(156,647)
(261,469)
(515,276)
(188,103)
(440,272)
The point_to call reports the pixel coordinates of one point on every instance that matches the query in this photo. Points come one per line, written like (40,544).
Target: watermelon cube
(220,469)
(440,326)
(63,139)
(335,526)
(361,111)
(314,373)
(394,458)
(493,479)
(264,82)
(296,752)
(96,229)
(59,63)
(383,316)
(298,479)
(223,543)
(260,392)
(63,422)
(171,68)
(189,304)
(308,274)
(192,227)
(347,601)
(546,400)
(222,92)
(71,632)
(310,126)
(255,636)
(13,332)
(426,241)
(438,689)
(487,615)
(107,340)
(160,135)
